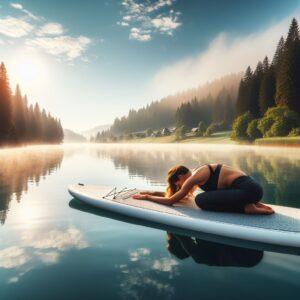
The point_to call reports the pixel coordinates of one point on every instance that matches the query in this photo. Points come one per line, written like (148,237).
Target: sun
(27,69)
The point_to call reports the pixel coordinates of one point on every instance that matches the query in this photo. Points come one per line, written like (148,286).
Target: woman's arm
(185,189)
(153,193)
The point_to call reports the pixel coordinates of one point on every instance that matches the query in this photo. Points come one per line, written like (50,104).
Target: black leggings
(244,190)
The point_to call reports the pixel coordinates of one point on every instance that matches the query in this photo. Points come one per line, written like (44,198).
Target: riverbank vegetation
(24,123)
(268,103)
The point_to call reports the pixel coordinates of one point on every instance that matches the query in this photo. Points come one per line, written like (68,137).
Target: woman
(225,189)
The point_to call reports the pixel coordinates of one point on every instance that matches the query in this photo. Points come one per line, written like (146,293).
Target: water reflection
(212,253)
(38,247)
(22,166)
(277,169)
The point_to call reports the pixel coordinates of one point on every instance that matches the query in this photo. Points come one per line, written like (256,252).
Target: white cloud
(62,46)
(49,37)
(145,20)
(127,18)
(51,29)
(16,5)
(139,35)
(14,27)
(123,23)
(159,4)
(225,54)
(25,11)
(166,24)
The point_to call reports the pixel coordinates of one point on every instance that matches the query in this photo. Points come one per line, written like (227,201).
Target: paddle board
(281,228)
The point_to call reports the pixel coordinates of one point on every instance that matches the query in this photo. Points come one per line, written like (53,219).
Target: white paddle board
(281,228)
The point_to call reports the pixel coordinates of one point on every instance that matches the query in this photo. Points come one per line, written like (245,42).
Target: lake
(51,250)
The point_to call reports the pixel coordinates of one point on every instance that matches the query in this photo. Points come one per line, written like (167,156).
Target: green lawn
(217,138)
(278,141)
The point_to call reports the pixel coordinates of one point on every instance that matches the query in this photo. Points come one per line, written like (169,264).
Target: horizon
(165,46)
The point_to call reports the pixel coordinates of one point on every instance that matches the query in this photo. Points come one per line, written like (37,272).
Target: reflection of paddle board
(281,228)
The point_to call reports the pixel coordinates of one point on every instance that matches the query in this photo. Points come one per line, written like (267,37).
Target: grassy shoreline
(217,138)
(279,141)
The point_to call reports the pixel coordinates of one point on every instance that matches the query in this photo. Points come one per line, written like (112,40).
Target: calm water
(49,250)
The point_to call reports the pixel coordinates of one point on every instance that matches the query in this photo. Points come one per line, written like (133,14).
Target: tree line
(268,102)
(207,110)
(23,123)
(160,114)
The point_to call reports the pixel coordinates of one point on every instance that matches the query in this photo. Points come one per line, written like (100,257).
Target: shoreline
(222,138)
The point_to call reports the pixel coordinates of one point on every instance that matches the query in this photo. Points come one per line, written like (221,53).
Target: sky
(88,62)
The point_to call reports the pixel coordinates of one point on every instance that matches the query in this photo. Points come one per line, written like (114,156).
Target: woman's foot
(260,204)
(255,210)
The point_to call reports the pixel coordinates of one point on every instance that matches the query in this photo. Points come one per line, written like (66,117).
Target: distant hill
(93,131)
(71,136)
(159,114)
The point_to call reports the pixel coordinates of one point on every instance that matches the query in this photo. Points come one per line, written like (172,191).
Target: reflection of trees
(276,169)
(21,166)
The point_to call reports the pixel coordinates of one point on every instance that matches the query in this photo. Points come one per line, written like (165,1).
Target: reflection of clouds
(140,252)
(145,272)
(50,257)
(13,257)
(61,240)
(165,264)
(40,247)
(13,280)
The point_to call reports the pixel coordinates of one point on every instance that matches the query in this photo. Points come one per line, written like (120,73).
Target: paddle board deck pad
(281,228)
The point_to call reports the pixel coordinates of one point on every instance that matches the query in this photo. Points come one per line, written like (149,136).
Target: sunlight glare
(28,70)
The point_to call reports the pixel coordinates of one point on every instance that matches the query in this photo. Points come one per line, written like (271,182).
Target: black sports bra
(211,183)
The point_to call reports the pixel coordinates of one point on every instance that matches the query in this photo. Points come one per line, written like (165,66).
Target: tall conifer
(288,78)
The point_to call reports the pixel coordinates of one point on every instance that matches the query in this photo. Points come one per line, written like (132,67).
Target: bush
(240,126)
(279,128)
(201,128)
(278,121)
(264,125)
(180,132)
(212,128)
(252,131)
(295,132)
(149,131)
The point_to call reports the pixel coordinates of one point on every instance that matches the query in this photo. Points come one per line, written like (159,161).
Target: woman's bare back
(226,177)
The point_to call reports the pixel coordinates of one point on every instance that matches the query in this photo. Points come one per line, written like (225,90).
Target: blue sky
(91,61)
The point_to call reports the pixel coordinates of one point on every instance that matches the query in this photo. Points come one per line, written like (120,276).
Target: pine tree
(277,59)
(267,87)
(254,90)
(37,129)
(5,106)
(229,111)
(288,78)
(19,112)
(244,93)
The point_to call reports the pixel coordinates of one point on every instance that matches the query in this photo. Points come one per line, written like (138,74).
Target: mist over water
(49,250)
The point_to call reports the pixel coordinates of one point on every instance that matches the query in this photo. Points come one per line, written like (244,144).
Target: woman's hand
(141,196)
